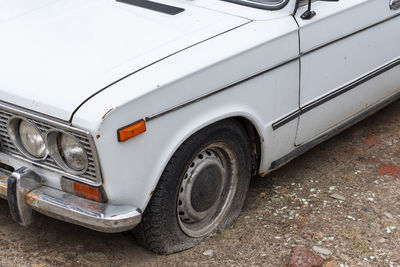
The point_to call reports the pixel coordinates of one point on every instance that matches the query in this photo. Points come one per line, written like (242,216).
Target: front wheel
(201,190)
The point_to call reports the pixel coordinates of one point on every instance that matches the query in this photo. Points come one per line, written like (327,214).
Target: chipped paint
(98,136)
(105,115)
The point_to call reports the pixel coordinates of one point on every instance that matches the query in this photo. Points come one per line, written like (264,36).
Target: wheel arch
(252,130)
(255,142)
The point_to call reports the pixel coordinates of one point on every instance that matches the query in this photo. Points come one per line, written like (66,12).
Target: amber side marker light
(86,191)
(95,193)
(131,130)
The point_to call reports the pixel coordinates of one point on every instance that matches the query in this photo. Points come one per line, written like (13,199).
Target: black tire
(162,229)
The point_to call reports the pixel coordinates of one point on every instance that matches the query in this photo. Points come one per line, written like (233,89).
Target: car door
(350,60)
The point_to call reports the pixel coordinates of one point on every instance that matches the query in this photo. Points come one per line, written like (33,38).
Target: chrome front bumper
(25,192)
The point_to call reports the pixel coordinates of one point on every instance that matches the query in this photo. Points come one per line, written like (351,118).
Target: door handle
(394,4)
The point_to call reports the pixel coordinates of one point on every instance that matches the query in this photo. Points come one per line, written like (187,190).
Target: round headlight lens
(31,139)
(72,152)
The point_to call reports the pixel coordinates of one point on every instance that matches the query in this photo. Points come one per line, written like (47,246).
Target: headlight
(27,138)
(67,152)
(72,152)
(31,139)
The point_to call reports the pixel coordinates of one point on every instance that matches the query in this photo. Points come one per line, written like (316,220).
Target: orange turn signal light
(132,130)
(87,191)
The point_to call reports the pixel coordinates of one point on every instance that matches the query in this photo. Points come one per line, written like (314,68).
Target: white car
(155,114)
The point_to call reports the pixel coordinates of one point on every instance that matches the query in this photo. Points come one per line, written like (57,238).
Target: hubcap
(207,190)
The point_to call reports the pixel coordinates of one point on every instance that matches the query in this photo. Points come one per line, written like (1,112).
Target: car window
(263,4)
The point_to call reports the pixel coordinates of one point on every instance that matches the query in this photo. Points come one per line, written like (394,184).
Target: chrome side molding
(344,89)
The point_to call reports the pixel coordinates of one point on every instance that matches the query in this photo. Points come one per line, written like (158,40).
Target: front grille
(8,147)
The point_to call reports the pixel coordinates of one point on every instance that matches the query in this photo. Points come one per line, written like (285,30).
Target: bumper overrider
(26,192)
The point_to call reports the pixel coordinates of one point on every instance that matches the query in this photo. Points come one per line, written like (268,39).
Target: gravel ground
(340,198)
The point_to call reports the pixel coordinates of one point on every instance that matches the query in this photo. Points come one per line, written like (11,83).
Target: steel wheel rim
(207,190)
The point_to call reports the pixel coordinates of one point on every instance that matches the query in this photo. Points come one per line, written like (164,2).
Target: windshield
(264,4)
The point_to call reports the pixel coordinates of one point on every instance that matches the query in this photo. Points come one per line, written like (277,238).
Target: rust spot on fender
(105,115)
(98,136)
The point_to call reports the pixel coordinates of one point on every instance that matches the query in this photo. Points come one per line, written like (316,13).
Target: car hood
(55,54)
